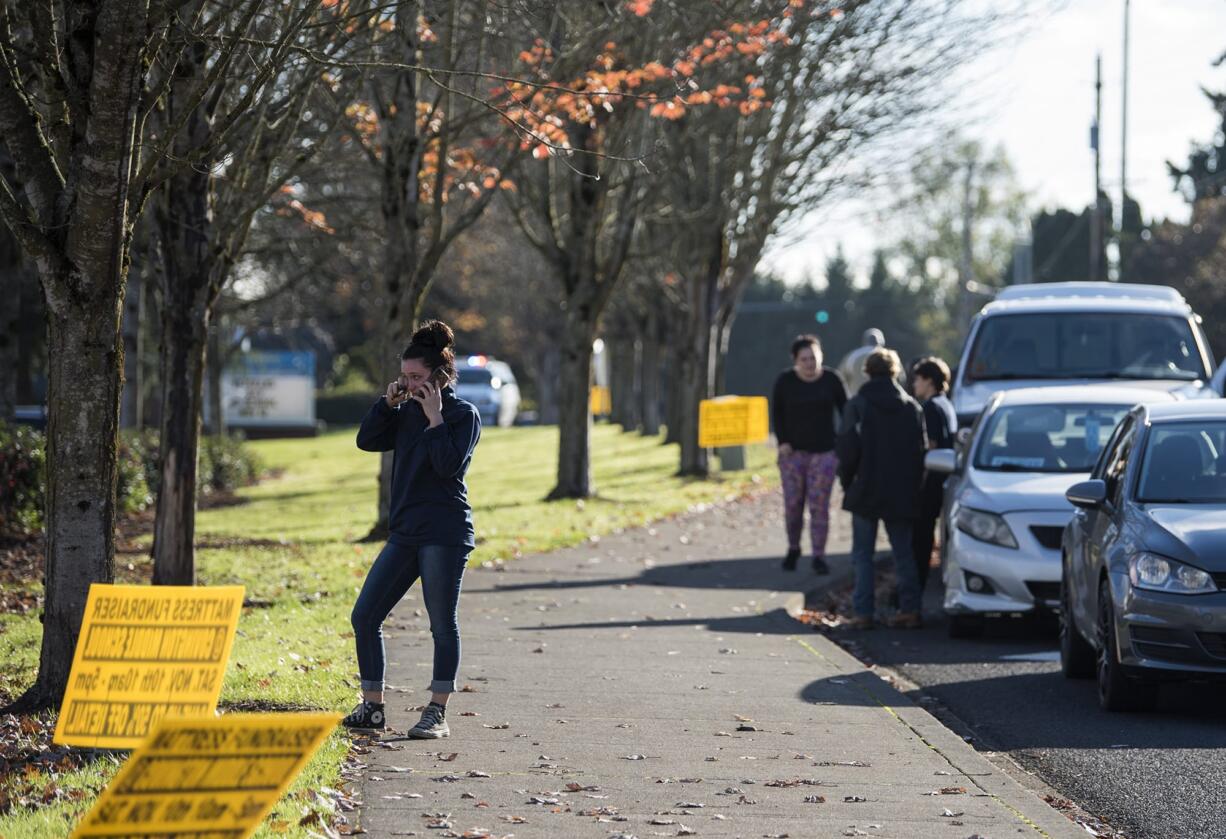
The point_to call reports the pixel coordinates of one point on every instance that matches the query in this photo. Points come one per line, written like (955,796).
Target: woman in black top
(806,402)
(930,376)
(432,433)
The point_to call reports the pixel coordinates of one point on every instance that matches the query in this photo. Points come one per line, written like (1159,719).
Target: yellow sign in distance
(212,778)
(732,421)
(601,401)
(144,653)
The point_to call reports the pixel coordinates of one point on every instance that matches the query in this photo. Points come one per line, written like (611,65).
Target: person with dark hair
(930,382)
(805,406)
(432,434)
(881,464)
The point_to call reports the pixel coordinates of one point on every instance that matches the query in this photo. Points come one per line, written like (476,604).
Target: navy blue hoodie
(429,498)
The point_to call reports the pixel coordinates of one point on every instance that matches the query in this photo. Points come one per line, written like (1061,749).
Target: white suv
(490,386)
(1082,334)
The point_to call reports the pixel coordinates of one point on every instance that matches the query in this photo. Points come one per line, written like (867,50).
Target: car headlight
(986,527)
(1157,573)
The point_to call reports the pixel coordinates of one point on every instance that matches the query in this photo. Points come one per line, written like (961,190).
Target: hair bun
(435,335)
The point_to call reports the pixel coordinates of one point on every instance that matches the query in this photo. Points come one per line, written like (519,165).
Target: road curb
(1002,778)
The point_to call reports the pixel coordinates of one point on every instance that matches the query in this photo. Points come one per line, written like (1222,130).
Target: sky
(1034,95)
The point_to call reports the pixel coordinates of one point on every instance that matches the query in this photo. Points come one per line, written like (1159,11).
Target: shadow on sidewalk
(742,573)
(774,622)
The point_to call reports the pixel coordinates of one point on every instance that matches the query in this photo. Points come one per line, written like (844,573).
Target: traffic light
(823,316)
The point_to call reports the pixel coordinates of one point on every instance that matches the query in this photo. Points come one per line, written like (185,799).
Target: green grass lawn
(293,544)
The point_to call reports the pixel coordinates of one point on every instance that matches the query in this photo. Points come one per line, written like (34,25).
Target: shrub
(225,464)
(22,458)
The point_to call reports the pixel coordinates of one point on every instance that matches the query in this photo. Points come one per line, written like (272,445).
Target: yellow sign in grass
(601,401)
(144,653)
(213,778)
(732,421)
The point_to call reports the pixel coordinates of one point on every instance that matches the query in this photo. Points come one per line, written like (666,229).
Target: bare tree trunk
(214,365)
(692,388)
(649,375)
(77,239)
(672,395)
(130,405)
(151,374)
(184,219)
(83,391)
(174,528)
(575,416)
(622,385)
(548,371)
(11,282)
(698,370)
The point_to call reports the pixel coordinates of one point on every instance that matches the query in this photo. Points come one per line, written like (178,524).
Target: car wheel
(1076,654)
(966,626)
(1116,690)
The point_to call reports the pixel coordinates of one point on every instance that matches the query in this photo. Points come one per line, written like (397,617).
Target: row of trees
(204,159)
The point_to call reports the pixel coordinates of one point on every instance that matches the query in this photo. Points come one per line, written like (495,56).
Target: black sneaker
(432,725)
(789,561)
(820,566)
(366,715)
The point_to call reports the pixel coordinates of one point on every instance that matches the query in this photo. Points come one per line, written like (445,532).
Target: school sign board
(214,778)
(145,653)
(270,390)
(732,421)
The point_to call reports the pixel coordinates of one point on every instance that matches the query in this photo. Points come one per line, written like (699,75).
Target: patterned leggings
(808,476)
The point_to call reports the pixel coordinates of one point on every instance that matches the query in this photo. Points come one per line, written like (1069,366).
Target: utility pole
(1123,151)
(1096,218)
(966,265)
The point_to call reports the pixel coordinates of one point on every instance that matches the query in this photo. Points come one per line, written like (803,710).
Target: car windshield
(474,376)
(1185,463)
(1046,438)
(1085,345)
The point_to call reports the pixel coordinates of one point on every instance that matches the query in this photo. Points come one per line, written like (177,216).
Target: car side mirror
(941,460)
(1089,495)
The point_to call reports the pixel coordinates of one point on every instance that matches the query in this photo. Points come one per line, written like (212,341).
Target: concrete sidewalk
(654,684)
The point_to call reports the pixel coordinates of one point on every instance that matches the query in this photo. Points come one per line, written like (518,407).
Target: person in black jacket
(805,404)
(930,382)
(881,464)
(432,434)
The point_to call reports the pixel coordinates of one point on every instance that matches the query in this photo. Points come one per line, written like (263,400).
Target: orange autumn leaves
(542,111)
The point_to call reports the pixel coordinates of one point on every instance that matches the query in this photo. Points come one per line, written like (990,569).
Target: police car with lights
(490,386)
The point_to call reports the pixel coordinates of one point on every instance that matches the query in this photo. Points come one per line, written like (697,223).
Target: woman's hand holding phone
(430,396)
(397,394)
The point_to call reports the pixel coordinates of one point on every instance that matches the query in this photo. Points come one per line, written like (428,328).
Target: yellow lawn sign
(144,653)
(601,401)
(732,421)
(213,778)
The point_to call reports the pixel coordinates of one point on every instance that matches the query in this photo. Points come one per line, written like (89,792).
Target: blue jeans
(441,568)
(864,546)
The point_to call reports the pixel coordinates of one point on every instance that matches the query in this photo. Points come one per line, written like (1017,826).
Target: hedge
(225,464)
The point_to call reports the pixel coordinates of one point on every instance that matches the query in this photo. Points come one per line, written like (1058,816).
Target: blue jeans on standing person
(441,569)
(864,547)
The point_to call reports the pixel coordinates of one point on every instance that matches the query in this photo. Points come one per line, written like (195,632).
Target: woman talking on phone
(433,435)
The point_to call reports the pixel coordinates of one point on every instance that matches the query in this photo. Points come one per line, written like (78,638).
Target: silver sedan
(1005,510)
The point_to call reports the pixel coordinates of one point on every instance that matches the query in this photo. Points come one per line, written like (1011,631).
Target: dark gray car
(1143,584)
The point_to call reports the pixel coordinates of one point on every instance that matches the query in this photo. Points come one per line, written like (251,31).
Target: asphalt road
(1152,776)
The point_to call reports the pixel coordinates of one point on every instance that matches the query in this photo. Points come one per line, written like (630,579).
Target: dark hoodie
(429,499)
(881,452)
